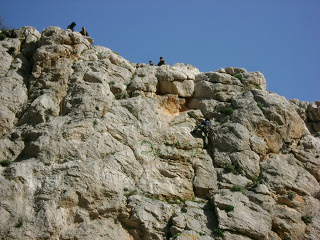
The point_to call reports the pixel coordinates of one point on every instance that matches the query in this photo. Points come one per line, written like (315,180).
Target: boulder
(246,217)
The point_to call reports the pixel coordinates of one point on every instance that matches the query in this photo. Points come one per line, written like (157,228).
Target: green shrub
(260,105)
(228,111)
(2,36)
(256,181)
(5,163)
(132,77)
(307,219)
(48,112)
(95,123)
(119,96)
(235,169)
(229,208)
(218,232)
(291,195)
(34,96)
(238,188)
(239,76)
(5,32)
(112,83)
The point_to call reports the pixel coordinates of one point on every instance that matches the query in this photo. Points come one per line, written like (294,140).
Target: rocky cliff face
(93,148)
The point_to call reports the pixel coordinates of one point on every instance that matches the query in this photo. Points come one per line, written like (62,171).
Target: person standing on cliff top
(162,62)
(84,32)
(71,26)
(150,63)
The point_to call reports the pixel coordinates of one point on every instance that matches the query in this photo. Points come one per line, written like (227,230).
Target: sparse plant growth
(132,77)
(260,105)
(238,75)
(291,196)
(34,96)
(259,87)
(116,53)
(228,111)
(238,188)
(95,123)
(130,110)
(5,163)
(307,219)
(48,112)
(112,83)
(229,208)
(119,96)
(2,36)
(19,223)
(11,67)
(218,232)
(235,169)
(256,181)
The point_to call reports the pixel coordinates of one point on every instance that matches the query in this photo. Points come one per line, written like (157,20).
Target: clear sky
(279,38)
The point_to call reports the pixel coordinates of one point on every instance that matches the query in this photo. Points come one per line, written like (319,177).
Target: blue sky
(278,38)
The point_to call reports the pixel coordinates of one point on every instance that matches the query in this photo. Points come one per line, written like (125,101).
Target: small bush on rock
(291,195)
(228,111)
(238,188)
(235,169)
(229,208)
(5,163)
(2,36)
(239,76)
(307,219)
(260,105)
(218,232)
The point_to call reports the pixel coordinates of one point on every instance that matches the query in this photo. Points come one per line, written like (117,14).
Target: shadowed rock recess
(93,148)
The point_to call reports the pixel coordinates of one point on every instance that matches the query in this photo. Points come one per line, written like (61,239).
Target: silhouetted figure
(151,63)
(84,32)
(71,26)
(162,62)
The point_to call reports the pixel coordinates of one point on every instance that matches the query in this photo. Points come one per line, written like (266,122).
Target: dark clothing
(71,26)
(206,123)
(204,128)
(84,33)
(162,62)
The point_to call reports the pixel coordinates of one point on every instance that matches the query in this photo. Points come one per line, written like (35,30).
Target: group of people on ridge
(161,62)
(83,31)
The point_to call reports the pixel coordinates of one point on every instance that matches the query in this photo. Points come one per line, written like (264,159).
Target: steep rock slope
(94,148)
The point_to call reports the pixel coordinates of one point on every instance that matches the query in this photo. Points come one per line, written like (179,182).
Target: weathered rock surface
(92,147)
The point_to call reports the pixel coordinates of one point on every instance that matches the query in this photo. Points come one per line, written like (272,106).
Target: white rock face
(92,147)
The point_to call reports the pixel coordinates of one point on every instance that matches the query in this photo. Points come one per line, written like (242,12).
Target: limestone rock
(246,217)
(92,147)
(178,79)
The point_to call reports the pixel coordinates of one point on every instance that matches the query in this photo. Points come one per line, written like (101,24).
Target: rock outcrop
(92,147)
